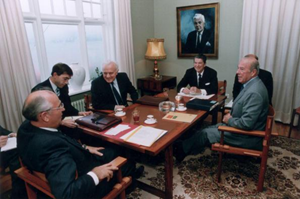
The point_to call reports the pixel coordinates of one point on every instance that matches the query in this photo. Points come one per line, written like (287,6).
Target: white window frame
(107,22)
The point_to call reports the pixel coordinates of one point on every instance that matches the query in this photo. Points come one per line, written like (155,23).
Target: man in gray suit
(249,112)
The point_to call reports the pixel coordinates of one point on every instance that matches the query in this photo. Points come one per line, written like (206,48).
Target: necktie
(199,80)
(116,94)
(57,91)
(242,87)
(198,39)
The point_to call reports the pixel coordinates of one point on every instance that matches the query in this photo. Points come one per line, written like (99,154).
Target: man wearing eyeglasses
(43,148)
(58,83)
(110,90)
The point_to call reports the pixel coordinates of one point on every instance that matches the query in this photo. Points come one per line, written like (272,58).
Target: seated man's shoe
(139,172)
(179,152)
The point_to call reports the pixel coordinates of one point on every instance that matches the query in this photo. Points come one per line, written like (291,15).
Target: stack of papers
(144,135)
(117,129)
(180,117)
(72,117)
(198,96)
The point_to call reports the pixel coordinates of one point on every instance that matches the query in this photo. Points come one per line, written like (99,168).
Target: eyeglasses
(61,106)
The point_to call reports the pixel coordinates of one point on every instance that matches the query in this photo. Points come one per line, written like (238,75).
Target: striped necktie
(116,94)
(57,91)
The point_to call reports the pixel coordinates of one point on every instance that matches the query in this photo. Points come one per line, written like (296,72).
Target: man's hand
(69,123)
(95,150)
(226,118)
(85,113)
(3,140)
(186,91)
(105,171)
(195,90)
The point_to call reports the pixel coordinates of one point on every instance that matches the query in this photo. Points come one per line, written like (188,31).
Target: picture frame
(195,36)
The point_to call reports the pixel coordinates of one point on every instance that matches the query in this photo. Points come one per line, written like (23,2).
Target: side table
(149,84)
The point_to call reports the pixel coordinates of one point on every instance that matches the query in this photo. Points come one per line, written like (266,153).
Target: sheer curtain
(16,67)
(271,30)
(124,42)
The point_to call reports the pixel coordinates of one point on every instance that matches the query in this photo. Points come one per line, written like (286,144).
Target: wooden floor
(283,130)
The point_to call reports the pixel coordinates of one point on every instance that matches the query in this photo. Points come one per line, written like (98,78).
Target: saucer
(182,109)
(150,121)
(120,114)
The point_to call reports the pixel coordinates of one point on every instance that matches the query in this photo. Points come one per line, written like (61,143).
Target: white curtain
(16,67)
(271,30)
(124,42)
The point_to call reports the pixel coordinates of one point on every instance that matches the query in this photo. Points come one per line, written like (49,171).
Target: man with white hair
(200,40)
(110,90)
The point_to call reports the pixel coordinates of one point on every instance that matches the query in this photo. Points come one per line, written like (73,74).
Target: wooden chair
(266,135)
(296,111)
(5,180)
(222,91)
(37,180)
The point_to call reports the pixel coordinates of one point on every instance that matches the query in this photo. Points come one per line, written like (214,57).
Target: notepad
(11,144)
(144,135)
(180,117)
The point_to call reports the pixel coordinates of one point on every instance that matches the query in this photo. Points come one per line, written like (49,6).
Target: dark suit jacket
(102,95)
(59,156)
(64,97)
(266,78)
(3,131)
(209,80)
(207,36)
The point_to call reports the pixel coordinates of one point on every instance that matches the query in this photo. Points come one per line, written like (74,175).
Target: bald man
(45,149)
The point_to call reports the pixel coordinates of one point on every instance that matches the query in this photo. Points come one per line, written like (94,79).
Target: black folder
(200,104)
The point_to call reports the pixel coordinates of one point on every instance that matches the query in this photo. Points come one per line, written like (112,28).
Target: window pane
(96,11)
(33,49)
(71,9)
(58,6)
(25,5)
(95,48)
(62,44)
(87,10)
(98,1)
(45,6)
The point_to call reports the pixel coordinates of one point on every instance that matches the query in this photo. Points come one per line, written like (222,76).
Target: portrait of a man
(197,28)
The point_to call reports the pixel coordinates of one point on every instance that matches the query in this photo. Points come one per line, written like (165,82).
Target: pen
(10,135)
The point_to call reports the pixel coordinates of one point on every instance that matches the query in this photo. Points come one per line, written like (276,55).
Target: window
(78,32)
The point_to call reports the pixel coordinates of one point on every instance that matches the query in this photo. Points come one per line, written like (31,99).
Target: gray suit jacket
(249,112)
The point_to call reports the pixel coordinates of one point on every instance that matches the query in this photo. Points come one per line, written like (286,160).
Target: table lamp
(155,51)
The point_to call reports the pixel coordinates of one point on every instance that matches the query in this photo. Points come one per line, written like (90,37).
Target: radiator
(79,105)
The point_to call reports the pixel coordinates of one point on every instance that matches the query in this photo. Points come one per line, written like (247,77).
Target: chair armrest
(103,111)
(119,161)
(239,131)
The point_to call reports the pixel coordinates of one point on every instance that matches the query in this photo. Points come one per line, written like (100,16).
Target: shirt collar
(52,85)
(244,85)
(49,129)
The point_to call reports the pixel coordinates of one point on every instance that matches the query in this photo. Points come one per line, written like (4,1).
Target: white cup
(181,106)
(178,98)
(150,118)
(119,111)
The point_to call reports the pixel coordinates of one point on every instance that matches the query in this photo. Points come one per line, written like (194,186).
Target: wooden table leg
(214,115)
(169,172)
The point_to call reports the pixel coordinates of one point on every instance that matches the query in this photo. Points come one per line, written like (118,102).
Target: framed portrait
(197,30)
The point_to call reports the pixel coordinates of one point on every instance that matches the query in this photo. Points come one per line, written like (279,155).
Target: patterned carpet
(195,176)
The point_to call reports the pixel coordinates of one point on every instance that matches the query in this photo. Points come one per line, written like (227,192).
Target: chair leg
(261,176)
(219,166)
(292,122)
(31,193)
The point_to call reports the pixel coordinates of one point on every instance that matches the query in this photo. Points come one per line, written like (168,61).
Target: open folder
(143,135)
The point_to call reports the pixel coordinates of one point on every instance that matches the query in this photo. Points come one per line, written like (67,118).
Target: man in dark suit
(45,149)
(201,79)
(265,76)
(249,112)
(200,40)
(110,90)
(10,159)
(58,83)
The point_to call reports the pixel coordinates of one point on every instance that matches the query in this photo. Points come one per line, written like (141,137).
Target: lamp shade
(155,49)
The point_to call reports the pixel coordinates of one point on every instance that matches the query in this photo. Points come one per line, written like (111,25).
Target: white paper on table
(198,96)
(229,104)
(117,129)
(72,117)
(11,144)
(144,135)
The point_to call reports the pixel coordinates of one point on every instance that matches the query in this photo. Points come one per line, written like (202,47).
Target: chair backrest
(88,102)
(222,87)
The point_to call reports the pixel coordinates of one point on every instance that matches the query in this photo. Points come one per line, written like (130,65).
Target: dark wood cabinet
(150,85)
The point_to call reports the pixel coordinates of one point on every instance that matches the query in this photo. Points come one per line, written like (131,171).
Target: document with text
(143,135)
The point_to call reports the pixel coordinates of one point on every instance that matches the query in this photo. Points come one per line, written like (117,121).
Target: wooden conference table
(164,144)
